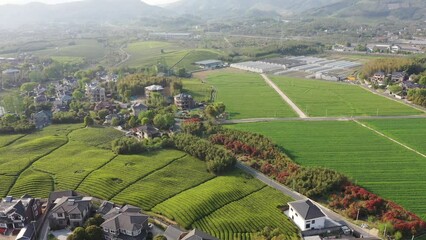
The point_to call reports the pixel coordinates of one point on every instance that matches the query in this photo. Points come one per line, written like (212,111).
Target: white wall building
(306,215)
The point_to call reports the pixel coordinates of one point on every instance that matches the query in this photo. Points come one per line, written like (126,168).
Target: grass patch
(248,96)
(114,177)
(202,200)
(372,161)
(180,175)
(320,98)
(199,91)
(239,219)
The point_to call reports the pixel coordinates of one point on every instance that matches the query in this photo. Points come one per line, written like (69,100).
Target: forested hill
(361,9)
(98,11)
(374,9)
(209,9)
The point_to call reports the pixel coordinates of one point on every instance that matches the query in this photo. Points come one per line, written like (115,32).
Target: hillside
(98,11)
(232,8)
(374,9)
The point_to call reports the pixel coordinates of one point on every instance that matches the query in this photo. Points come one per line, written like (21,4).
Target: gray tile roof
(173,232)
(307,209)
(126,218)
(74,205)
(198,235)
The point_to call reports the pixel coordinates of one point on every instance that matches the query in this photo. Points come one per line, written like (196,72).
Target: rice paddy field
(247,95)
(169,182)
(371,160)
(320,99)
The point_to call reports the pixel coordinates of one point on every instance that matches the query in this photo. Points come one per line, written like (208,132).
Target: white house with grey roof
(306,215)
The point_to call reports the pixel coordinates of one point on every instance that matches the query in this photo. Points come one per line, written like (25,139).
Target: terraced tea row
(373,161)
(124,170)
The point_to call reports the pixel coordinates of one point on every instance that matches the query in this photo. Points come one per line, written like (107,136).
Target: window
(297,215)
(60,215)
(308,226)
(291,209)
(313,221)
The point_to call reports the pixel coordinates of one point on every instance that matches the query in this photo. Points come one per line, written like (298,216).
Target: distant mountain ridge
(373,9)
(210,9)
(77,12)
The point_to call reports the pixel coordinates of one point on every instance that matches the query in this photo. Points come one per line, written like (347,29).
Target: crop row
(34,183)
(180,175)
(109,180)
(202,200)
(249,215)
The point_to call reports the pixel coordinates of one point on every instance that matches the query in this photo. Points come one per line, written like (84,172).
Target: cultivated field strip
(320,99)
(373,161)
(34,183)
(248,96)
(180,175)
(6,140)
(5,183)
(124,170)
(411,132)
(250,214)
(193,204)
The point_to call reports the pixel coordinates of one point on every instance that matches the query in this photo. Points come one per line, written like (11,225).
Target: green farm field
(199,91)
(320,98)
(71,157)
(8,139)
(371,160)
(411,132)
(149,53)
(246,95)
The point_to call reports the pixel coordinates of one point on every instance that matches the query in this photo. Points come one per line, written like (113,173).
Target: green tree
(182,73)
(94,232)
(422,80)
(164,121)
(103,113)
(96,220)
(78,234)
(132,122)
(115,122)
(36,76)
(28,87)
(395,89)
(77,95)
(88,121)
(398,235)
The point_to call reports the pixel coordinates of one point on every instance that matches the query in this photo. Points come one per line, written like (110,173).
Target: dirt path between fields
(284,97)
(393,140)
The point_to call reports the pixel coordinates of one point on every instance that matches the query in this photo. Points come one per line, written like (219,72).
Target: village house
(137,108)
(15,214)
(184,101)
(104,105)
(69,211)
(94,92)
(379,78)
(147,132)
(173,232)
(110,117)
(42,119)
(126,222)
(154,89)
(306,215)
(397,77)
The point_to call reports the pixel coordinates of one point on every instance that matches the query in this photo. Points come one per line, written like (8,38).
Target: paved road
(284,97)
(254,120)
(297,196)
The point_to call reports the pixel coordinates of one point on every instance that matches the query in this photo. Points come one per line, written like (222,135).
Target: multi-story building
(184,101)
(70,211)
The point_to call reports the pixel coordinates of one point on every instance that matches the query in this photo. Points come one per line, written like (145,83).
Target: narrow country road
(313,119)
(125,59)
(297,196)
(284,97)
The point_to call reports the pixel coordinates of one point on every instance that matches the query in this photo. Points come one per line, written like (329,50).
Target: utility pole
(357,215)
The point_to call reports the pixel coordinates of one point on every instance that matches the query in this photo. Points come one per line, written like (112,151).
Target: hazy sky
(154,2)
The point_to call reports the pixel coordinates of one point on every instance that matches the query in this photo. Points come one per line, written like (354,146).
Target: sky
(153,2)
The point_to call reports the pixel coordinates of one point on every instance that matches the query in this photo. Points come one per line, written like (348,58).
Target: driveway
(62,234)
